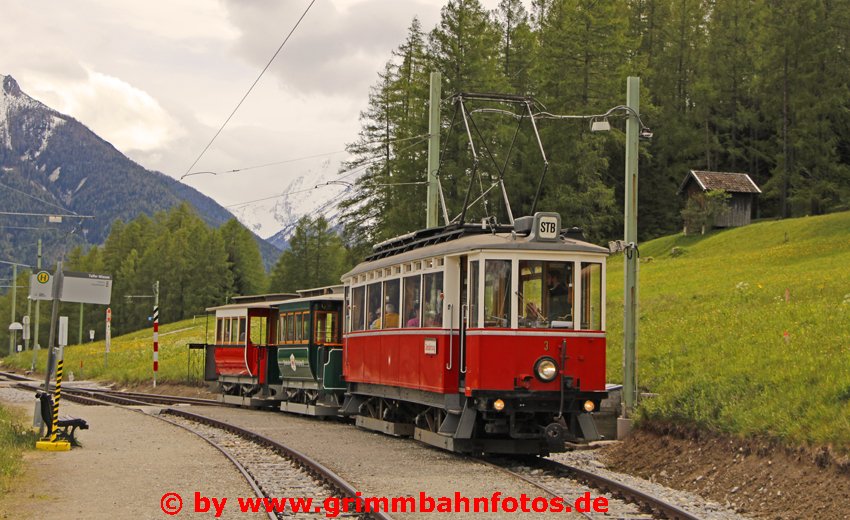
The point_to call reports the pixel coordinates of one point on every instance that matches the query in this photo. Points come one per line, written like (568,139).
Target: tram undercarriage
(465,425)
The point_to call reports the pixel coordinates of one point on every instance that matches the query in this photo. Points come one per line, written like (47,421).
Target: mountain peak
(10,86)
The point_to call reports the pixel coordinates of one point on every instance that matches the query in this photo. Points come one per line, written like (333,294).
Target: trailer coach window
(358,308)
(412,287)
(257,330)
(346,318)
(432,305)
(326,329)
(497,293)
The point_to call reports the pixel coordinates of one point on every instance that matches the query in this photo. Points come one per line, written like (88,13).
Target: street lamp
(14,327)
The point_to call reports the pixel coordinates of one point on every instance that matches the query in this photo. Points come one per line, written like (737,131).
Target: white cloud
(339,46)
(130,117)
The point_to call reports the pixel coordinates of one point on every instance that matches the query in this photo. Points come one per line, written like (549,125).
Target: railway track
(558,479)
(271,469)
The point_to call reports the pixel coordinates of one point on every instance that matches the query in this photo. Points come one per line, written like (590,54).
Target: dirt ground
(757,479)
(170,389)
(127,465)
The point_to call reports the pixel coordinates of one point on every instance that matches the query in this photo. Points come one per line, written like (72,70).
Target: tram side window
(392,292)
(591,296)
(373,305)
(474,284)
(432,305)
(219,330)
(412,288)
(497,293)
(226,337)
(242,330)
(358,308)
(326,333)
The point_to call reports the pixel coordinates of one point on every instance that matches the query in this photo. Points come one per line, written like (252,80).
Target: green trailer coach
(309,352)
(280,350)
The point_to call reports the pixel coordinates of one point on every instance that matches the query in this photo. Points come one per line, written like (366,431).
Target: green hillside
(130,356)
(722,346)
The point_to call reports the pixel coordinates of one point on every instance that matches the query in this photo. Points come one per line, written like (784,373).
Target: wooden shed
(739,186)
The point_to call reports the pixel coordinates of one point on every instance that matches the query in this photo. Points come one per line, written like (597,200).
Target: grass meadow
(745,331)
(130,356)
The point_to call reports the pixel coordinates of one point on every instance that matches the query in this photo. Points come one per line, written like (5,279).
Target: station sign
(86,288)
(76,287)
(41,286)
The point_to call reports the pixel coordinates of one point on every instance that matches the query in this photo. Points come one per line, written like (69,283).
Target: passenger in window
(391,317)
(374,321)
(559,306)
(412,319)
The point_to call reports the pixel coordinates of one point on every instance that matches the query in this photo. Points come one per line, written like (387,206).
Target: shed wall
(740,211)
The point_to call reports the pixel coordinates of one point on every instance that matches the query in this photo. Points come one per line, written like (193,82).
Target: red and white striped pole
(155,331)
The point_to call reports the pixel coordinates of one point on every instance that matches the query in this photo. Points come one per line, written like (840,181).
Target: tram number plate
(431,346)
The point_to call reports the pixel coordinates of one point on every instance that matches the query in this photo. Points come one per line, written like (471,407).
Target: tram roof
(263,304)
(484,241)
(268,304)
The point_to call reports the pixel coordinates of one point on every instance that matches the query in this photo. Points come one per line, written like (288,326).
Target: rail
(645,501)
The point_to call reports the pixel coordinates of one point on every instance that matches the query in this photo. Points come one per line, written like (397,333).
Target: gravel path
(588,460)
(127,463)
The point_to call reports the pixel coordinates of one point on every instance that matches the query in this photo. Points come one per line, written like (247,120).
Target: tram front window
(545,297)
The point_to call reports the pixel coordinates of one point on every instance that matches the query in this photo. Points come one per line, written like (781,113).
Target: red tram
(479,339)
(475,339)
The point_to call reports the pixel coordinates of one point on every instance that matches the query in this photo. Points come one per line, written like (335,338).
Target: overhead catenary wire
(251,88)
(343,174)
(36,198)
(422,137)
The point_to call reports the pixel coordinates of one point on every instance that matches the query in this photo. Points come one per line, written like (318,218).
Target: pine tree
(316,258)
(243,255)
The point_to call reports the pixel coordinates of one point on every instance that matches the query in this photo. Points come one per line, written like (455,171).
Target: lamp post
(630,289)
(14,287)
(13,334)
(634,132)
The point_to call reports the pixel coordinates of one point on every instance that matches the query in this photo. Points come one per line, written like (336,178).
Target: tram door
(464,317)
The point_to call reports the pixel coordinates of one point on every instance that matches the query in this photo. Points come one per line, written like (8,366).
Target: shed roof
(726,181)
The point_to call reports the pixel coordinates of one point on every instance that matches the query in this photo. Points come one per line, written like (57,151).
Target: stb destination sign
(76,287)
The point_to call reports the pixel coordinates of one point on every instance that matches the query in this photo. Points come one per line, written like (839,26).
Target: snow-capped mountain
(52,163)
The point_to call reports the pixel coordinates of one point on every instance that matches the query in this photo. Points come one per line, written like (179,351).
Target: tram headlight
(498,405)
(546,369)
(589,406)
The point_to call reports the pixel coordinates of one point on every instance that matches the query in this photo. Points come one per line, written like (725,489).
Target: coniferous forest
(753,86)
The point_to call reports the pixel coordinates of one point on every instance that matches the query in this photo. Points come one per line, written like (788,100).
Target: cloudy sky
(157,79)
